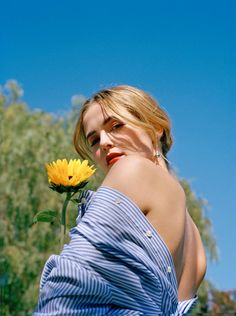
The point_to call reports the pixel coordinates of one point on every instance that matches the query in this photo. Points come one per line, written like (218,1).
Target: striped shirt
(115,264)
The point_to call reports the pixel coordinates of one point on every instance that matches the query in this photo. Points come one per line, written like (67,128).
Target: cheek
(144,139)
(99,159)
(146,143)
(97,154)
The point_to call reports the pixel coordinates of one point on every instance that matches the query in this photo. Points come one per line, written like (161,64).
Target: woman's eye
(94,142)
(116,126)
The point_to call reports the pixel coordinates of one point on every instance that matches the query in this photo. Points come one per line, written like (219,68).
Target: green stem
(63,218)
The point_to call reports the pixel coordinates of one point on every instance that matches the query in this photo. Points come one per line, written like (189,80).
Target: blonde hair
(144,112)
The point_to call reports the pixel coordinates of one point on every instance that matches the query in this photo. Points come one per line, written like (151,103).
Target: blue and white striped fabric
(115,264)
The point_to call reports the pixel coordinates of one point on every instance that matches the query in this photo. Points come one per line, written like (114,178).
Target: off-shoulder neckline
(92,194)
(132,202)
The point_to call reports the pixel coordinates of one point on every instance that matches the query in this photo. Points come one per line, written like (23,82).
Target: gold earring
(157,154)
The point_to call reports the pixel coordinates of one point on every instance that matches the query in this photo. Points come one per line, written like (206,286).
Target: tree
(28,139)
(197,208)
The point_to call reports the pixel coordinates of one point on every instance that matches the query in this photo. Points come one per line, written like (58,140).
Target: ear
(156,144)
(159,133)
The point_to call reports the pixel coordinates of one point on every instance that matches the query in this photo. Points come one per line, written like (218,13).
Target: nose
(105,141)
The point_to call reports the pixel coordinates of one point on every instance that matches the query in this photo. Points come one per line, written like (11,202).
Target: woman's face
(111,139)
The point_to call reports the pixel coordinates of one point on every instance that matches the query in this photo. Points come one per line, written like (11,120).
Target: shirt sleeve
(70,289)
(115,264)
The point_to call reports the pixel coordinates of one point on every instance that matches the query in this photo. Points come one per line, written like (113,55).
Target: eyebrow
(108,119)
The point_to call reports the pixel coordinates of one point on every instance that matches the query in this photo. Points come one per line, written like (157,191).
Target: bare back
(182,238)
(162,199)
(172,221)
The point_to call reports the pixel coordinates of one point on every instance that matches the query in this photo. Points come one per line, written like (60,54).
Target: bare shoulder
(140,179)
(129,168)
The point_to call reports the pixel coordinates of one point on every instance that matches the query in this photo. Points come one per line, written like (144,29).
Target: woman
(135,249)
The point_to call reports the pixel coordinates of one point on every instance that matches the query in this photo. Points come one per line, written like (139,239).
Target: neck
(162,164)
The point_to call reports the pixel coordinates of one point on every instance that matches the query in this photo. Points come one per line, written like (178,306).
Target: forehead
(94,116)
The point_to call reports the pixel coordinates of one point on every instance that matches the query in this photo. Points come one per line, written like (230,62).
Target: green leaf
(47,216)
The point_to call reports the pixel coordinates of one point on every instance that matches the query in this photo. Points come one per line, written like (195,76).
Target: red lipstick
(113,157)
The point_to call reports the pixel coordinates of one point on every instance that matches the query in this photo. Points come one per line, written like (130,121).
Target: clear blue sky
(182,52)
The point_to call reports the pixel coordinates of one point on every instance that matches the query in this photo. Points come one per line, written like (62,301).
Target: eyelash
(114,127)
(94,142)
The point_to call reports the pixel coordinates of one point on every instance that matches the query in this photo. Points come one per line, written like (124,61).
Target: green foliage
(214,302)
(197,209)
(28,140)
(47,216)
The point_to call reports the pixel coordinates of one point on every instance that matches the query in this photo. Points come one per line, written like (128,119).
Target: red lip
(111,156)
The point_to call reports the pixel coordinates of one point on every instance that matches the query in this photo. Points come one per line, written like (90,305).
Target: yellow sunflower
(72,174)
